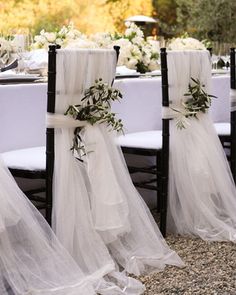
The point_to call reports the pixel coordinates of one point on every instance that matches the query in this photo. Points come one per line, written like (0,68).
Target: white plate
(220,71)
(21,77)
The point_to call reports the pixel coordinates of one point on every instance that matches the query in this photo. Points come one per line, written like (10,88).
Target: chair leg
(158,179)
(163,206)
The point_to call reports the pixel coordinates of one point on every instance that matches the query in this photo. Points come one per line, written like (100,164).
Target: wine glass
(226,59)
(214,59)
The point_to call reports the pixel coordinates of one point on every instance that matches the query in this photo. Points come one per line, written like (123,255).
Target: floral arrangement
(102,40)
(7,48)
(63,37)
(186,43)
(95,109)
(135,52)
(198,101)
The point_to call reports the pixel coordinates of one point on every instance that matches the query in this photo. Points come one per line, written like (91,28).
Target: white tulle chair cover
(133,239)
(32,261)
(202,195)
(106,201)
(72,219)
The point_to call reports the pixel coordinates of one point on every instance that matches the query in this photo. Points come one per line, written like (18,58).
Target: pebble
(210,269)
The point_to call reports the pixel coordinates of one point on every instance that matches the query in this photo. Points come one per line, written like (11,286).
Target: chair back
(165,142)
(66,86)
(194,64)
(51,97)
(233,113)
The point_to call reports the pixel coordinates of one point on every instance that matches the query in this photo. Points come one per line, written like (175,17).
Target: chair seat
(222,129)
(32,159)
(142,140)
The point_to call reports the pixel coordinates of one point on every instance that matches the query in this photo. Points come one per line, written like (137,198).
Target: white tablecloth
(23,108)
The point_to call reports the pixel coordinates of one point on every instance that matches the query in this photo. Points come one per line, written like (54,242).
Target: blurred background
(203,19)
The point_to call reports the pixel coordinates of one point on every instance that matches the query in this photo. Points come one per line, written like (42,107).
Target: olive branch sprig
(95,109)
(198,101)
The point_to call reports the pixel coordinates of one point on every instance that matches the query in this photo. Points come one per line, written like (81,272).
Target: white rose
(59,41)
(129,32)
(153,65)
(122,42)
(127,24)
(146,60)
(70,35)
(131,64)
(63,31)
(40,39)
(51,37)
(136,51)
(42,32)
(138,40)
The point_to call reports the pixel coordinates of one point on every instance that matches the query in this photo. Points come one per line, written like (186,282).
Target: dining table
(23,108)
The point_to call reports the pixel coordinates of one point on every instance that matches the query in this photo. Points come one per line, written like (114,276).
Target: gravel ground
(210,269)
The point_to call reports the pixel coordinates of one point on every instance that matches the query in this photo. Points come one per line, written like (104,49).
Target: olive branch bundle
(95,109)
(198,101)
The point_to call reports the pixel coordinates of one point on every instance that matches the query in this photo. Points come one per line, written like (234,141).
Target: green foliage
(198,101)
(51,22)
(165,11)
(95,109)
(212,19)
(203,19)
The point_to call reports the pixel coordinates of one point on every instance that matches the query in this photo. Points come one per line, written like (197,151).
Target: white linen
(140,109)
(31,259)
(201,189)
(22,116)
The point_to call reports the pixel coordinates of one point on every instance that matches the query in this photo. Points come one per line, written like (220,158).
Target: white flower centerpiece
(186,43)
(63,37)
(135,52)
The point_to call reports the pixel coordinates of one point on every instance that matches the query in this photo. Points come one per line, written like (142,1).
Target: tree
(165,11)
(89,16)
(33,15)
(212,19)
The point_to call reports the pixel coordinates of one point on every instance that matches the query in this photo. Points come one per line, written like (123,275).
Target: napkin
(7,74)
(123,70)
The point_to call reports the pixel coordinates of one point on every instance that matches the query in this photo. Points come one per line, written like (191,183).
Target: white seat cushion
(222,128)
(145,140)
(27,159)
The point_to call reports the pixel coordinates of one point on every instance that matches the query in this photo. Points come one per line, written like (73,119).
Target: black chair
(233,115)
(225,130)
(153,144)
(38,162)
